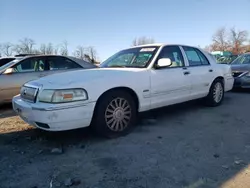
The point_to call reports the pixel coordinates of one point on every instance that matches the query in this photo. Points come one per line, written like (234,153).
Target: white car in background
(133,80)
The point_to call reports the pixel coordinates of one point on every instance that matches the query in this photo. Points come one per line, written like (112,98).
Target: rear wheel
(216,93)
(115,114)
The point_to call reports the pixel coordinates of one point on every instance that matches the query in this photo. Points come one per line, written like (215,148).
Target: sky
(111,25)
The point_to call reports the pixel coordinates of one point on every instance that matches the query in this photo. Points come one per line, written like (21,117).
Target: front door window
(174,54)
(35,64)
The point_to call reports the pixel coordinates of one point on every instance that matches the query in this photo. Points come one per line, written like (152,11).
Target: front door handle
(211,70)
(186,73)
(42,75)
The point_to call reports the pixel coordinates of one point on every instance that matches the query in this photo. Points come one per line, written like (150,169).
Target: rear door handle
(211,70)
(186,72)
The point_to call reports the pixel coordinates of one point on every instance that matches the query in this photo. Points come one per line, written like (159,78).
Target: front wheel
(115,114)
(216,93)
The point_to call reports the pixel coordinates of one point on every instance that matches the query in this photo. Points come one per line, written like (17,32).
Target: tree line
(28,46)
(224,39)
(233,40)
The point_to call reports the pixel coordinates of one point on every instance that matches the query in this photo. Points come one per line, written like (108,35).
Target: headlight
(62,95)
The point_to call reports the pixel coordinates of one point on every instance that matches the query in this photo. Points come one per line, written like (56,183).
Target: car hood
(84,76)
(240,68)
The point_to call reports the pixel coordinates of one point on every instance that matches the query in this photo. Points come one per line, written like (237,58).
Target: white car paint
(154,88)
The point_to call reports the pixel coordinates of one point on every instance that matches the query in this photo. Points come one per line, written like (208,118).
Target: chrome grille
(29,93)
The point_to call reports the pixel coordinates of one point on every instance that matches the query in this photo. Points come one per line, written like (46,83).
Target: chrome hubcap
(218,92)
(118,114)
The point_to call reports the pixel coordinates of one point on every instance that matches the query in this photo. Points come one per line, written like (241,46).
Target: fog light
(43,125)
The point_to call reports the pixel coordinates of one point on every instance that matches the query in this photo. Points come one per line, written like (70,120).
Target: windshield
(136,57)
(243,59)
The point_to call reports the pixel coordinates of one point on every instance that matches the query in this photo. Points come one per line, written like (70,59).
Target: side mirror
(164,62)
(9,71)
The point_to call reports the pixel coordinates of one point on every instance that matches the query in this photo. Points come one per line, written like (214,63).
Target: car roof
(162,44)
(145,45)
(41,55)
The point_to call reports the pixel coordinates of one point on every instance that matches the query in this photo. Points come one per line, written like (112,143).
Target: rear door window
(61,63)
(195,57)
(33,64)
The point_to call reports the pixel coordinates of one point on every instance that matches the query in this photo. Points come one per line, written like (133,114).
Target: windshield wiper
(125,66)
(116,66)
(134,66)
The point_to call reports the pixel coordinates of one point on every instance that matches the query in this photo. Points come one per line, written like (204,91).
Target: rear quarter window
(195,56)
(5,61)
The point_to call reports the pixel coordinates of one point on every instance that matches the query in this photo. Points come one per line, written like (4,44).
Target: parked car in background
(227,59)
(241,71)
(133,80)
(29,67)
(5,60)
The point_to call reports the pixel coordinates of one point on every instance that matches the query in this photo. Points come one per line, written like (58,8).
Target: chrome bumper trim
(60,107)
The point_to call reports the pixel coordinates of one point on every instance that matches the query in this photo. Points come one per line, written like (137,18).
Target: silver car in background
(241,71)
(23,69)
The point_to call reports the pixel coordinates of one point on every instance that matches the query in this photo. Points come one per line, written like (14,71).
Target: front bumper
(241,82)
(237,83)
(52,117)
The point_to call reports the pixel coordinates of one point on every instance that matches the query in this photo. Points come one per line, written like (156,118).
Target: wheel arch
(220,78)
(121,88)
(217,78)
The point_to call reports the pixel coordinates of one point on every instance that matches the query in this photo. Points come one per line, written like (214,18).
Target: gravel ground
(186,145)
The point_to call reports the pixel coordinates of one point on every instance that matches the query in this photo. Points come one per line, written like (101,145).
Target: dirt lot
(186,145)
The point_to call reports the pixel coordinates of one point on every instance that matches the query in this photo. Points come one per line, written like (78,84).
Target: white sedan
(131,81)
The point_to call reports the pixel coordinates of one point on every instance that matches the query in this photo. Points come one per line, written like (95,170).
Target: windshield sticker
(147,50)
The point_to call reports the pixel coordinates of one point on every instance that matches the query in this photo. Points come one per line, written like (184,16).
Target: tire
(115,114)
(216,93)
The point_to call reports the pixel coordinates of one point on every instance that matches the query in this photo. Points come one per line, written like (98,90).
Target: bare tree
(142,40)
(207,48)
(43,49)
(90,54)
(237,39)
(46,49)
(36,51)
(220,41)
(86,53)
(55,50)
(80,52)
(248,47)
(17,49)
(64,48)
(49,49)
(6,49)
(26,45)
